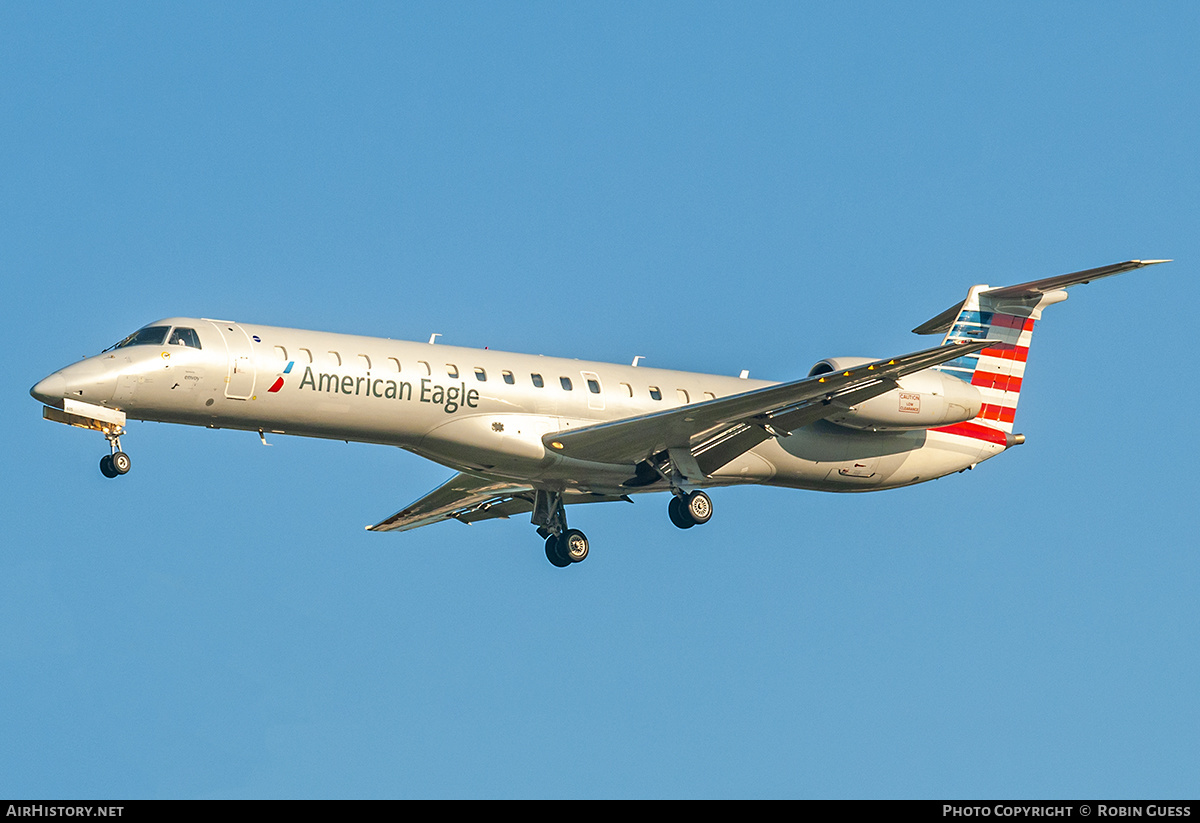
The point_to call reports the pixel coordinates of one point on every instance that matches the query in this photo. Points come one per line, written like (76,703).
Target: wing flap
(773,410)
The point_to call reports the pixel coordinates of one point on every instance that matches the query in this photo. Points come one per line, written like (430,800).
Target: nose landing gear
(117,462)
(109,422)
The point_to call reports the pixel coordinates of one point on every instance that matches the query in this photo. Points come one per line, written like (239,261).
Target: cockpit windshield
(184,337)
(149,336)
(156,335)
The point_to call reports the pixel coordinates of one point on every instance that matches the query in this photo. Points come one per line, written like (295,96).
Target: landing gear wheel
(574,545)
(106,466)
(698,507)
(553,554)
(678,515)
(120,462)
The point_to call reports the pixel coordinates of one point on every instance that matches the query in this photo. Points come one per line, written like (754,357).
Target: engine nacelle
(922,400)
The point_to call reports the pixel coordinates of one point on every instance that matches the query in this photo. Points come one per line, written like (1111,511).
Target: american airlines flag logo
(278,384)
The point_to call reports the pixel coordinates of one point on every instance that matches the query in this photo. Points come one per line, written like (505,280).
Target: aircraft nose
(92,381)
(51,390)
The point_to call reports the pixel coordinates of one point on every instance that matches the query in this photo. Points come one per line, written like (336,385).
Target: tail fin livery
(997,371)
(1007,316)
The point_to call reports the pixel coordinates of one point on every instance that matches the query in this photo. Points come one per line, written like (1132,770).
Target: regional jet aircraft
(531,434)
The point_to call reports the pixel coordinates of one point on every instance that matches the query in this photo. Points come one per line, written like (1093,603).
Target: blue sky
(713,186)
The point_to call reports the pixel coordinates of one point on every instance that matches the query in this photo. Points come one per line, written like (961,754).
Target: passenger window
(565,382)
(709,396)
(307,355)
(395,364)
(593,386)
(683,395)
(365,361)
(628,389)
(280,351)
(337,358)
(425,365)
(187,337)
(537,380)
(508,377)
(655,393)
(451,370)
(480,374)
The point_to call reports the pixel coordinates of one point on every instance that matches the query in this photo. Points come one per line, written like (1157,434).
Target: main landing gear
(690,509)
(117,462)
(569,547)
(563,546)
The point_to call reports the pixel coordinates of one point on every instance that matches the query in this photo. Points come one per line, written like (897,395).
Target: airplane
(529,434)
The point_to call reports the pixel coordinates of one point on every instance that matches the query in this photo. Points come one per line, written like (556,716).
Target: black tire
(106,466)
(699,507)
(679,515)
(552,553)
(120,462)
(573,545)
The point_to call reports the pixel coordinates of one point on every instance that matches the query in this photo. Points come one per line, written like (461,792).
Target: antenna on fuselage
(639,357)
(433,337)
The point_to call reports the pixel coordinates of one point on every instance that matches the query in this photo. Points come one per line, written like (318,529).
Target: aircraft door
(239,384)
(595,392)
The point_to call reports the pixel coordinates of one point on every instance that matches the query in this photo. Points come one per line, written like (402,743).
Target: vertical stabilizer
(1005,316)
(999,369)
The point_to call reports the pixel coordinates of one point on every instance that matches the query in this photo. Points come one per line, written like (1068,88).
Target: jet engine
(920,401)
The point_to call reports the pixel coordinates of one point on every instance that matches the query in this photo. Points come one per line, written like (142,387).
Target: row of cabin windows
(393,364)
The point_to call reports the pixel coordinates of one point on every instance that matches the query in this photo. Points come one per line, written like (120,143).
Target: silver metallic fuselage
(470,409)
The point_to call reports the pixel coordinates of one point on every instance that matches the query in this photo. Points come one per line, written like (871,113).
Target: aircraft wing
(469,499)
(719,430)
(465,498)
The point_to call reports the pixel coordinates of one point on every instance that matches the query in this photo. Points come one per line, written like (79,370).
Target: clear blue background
(714,186)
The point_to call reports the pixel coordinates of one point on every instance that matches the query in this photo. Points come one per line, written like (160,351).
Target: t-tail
(1006,315)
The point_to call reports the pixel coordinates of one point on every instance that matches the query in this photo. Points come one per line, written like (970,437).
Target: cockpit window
(149,336)
(185,337)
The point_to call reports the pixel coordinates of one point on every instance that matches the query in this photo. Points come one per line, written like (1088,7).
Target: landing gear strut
(117,462)
(690,509)
(563,546)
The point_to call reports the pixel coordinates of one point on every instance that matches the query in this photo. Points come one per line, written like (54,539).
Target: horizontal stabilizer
(941,324)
